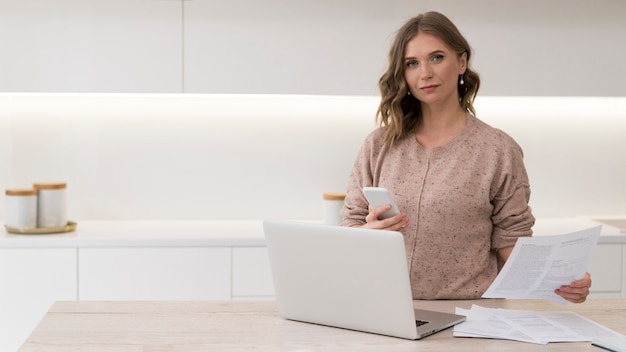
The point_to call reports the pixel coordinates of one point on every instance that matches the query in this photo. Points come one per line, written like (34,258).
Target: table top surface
(190,326)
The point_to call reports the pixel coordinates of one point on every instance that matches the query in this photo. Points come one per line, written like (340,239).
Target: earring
(461,81)
(408,93)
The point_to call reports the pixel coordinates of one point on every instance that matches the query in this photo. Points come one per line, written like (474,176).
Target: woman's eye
(437,58)
(411,63)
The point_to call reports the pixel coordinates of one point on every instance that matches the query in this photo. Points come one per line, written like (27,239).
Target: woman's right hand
(394,223)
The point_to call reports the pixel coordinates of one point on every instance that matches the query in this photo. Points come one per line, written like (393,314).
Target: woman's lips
(428,89)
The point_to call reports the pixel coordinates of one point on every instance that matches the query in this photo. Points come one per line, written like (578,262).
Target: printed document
(529,326)
(539,265)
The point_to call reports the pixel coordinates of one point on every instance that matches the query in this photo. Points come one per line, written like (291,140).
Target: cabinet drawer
(252,276)
(30,281)
(154,273)
(606,268)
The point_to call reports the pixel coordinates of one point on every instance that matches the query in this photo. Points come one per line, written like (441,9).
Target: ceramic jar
(332,204)
(51,204)
(21,208)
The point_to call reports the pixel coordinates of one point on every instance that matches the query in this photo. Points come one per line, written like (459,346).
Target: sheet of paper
(481,322)
(539,265)
(529,326)
(555,326)
(617,344)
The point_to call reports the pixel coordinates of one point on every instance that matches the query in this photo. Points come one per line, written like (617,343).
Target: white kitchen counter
(557,226)
(219,233)
(158,233)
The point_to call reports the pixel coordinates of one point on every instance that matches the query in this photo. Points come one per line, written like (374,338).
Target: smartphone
(378,196)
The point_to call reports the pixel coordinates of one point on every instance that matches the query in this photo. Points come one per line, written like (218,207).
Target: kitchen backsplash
(186,156)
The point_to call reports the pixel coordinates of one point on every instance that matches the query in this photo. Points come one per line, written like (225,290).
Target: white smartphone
(378,196)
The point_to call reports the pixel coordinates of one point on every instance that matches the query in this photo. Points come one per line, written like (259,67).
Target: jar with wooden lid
(21,208)
(332,204)
(51,204)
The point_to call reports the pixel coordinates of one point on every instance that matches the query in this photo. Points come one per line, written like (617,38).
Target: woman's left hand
(577,291)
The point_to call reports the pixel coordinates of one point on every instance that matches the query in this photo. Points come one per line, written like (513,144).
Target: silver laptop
(349,278)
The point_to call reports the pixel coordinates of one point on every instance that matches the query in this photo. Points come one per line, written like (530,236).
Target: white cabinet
(252,277)
(623,271)
(154,273)
(287,47)
(30,281)
(91,46)
(607,271)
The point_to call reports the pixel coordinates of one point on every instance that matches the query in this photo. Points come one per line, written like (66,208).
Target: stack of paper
(617,344)
(529,326)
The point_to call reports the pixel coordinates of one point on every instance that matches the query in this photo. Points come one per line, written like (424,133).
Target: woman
(461,185)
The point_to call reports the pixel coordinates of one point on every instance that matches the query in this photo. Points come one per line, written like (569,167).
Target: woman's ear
(463,62)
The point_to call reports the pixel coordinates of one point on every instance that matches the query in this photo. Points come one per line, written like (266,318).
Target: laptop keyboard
(420,323)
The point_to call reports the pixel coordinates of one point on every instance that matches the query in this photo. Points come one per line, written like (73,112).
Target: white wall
(186,156)
(525,48)
(574,150)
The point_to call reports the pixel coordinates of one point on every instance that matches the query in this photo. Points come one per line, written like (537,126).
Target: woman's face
(432,69)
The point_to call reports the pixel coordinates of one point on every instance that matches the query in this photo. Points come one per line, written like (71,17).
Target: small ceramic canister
(21,208)
(333,202)
(51,204)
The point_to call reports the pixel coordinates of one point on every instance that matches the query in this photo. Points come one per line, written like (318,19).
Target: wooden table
(194,326)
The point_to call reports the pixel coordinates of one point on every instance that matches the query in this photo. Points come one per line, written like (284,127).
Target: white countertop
(220,233)
(558,226)
(156,233)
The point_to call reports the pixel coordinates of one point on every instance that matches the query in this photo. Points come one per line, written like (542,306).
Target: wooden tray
(43,230)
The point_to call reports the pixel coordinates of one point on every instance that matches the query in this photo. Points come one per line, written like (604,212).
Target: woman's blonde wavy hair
(399,112)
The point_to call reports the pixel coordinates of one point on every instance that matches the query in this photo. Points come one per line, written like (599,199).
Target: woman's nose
(426,72)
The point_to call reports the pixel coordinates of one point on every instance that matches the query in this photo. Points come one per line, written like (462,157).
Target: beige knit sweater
(464,200)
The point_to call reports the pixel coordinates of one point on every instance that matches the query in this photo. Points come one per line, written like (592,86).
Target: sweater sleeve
(356,207)
(512,216)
